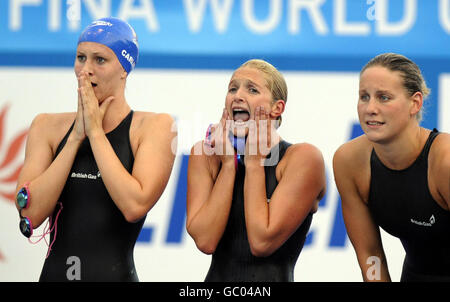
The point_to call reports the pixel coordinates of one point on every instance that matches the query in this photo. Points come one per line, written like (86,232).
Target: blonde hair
(413,81)
(275,80)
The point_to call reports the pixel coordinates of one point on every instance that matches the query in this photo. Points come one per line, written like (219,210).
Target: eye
(364,97)
(100,60)
(81,58)
(232,89)
(253,90)
(384,97)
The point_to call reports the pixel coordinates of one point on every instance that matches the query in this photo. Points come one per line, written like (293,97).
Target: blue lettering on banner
(146,235)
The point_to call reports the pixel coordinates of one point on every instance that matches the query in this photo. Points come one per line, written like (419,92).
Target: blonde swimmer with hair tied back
(105,164)
(251,195)
(396,176)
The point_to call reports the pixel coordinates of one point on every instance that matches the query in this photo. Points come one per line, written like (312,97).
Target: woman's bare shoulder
(52,124)
(355,151)
(50,128)
(153,119)
(304,148)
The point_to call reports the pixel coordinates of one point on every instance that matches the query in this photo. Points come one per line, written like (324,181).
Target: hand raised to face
(92,112)
(217,141)
(262,136)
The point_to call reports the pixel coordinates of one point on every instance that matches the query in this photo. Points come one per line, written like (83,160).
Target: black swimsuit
(90,226)
(400,202)
(233,260)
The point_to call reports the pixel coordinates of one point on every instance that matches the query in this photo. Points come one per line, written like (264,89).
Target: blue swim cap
(116,34)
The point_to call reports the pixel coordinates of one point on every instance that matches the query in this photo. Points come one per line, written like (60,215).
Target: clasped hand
(90,114)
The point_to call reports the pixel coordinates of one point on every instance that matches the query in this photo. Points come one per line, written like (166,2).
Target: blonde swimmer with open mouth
(251,195)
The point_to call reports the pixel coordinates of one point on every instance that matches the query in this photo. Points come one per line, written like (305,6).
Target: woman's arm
(270,224)
(46,176)
(136,193)
(208,201)
(440,167)
(301,184)
(208,197)
(364,234)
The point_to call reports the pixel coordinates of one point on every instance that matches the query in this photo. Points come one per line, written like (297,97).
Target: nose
(372,106)
(239,95)
(87,67)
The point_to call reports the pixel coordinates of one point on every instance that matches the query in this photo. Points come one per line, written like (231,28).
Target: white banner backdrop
(321,110)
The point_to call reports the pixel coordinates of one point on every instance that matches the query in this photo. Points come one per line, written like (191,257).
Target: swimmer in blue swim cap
(99,170)
(107,52)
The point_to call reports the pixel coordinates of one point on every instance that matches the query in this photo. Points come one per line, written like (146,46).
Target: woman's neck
(402,151)
(115,113)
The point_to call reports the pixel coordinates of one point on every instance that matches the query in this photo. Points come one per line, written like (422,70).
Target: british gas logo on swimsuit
(85,175)
(423,223)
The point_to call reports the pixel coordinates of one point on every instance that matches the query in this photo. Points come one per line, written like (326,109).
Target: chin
(374,138)
(377,137)
(99,97)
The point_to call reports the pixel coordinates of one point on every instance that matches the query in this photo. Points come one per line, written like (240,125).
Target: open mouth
(94,84)
(241,115)
(374,123)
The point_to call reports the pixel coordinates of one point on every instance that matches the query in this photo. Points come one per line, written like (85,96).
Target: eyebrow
(383,92)
(97,54)
(377,91)
(246,81)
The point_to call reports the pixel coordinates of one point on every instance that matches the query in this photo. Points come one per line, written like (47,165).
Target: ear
(416,103)
(124,74)
(277,108)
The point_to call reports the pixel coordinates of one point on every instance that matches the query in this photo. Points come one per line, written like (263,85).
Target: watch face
(22,198)
(25,227)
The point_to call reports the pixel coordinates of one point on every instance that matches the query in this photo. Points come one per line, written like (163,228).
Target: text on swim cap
(128,57)
(104,23)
